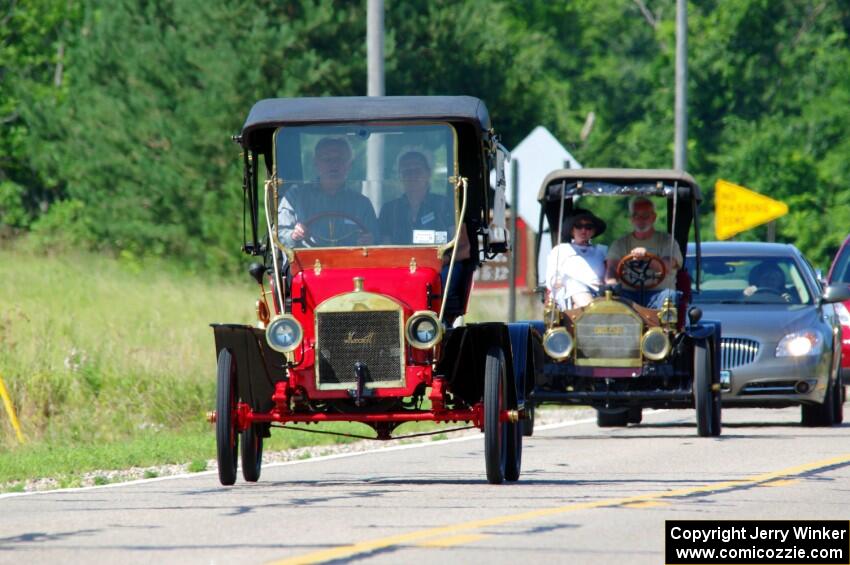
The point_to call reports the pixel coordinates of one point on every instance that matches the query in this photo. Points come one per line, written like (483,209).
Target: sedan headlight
(424,330)
(799,344)
(284,333)
(558,343)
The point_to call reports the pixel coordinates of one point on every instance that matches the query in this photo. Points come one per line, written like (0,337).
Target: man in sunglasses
(645,239)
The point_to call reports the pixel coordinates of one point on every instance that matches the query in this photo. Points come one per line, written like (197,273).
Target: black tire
(635,415)
(226,436)
(528,423)
(821,415)
(612,417)
(706,400)
(495,432)
(809,416)
(513,465)
(252,453)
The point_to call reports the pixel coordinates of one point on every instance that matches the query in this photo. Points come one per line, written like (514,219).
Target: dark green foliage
(116,116)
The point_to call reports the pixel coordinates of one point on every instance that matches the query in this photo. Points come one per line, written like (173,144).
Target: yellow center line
(346,551)
(781,483)
(647,504)
(453,540)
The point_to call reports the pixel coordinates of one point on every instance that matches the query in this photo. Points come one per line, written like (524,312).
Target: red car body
(839,272)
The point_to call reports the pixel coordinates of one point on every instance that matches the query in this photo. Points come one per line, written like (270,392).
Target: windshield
(356,185)
(750,280)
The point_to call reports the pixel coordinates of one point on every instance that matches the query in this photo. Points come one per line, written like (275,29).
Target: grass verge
(110,364)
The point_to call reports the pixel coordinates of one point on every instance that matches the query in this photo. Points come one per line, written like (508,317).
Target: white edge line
(298,461)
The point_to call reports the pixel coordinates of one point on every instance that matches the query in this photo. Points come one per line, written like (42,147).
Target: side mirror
(838,292)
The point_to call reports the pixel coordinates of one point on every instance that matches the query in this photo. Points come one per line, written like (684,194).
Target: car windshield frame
(295,168)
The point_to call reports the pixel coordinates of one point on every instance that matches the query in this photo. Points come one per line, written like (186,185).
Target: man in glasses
(326,213)
(642,240)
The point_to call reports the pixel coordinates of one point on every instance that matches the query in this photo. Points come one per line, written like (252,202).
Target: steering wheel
(768,291)
(312,240)
(647,271)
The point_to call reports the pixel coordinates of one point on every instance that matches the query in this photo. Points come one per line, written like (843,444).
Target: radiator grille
(372,338)
(608,336)
(737,351)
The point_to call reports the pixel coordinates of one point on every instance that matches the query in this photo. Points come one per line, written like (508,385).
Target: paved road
(586,496)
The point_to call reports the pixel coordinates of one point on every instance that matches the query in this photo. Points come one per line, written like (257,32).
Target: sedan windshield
(365,185)
(750,280)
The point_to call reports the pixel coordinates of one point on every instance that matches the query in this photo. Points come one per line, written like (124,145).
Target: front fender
(525,339)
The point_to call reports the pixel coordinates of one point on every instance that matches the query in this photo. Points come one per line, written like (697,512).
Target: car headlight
(284,333)
(558,343)
(655,344)
(424,330)
(799,344)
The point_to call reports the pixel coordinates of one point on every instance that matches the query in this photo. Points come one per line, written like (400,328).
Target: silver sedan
(780,341)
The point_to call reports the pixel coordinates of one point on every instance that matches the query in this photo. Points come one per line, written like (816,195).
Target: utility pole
(375,47)
(375,87)
(680,156)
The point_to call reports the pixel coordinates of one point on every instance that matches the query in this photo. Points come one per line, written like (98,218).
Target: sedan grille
(737,351)
(371,338)
(608,339)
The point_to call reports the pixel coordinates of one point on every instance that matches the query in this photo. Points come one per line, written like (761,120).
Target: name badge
(427,218)
(424,237)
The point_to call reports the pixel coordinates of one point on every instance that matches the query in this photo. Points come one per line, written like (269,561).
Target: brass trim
(655,356)
(594,362)
(263,314)
(550,332)
(358,284)
(296,344)
(409,324)
(668,315)
(608,305)
(359,302)
(317,268)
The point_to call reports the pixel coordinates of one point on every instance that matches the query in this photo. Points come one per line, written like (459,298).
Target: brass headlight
(284,333)
(655,345)
(558,343)
(423,330)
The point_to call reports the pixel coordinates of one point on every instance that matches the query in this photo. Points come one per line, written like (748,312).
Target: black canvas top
(274,112)
(619,181)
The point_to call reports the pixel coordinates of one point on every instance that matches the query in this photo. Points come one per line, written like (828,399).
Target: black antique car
(360,316)
(614,354)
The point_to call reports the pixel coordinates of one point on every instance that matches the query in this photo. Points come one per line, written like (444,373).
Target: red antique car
(374,215)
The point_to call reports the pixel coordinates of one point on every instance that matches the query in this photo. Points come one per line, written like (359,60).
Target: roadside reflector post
(10,410)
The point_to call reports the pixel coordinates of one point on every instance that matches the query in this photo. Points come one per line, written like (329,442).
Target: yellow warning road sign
(738,209)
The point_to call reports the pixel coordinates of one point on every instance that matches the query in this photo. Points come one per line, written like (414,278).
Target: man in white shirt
(645,239)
